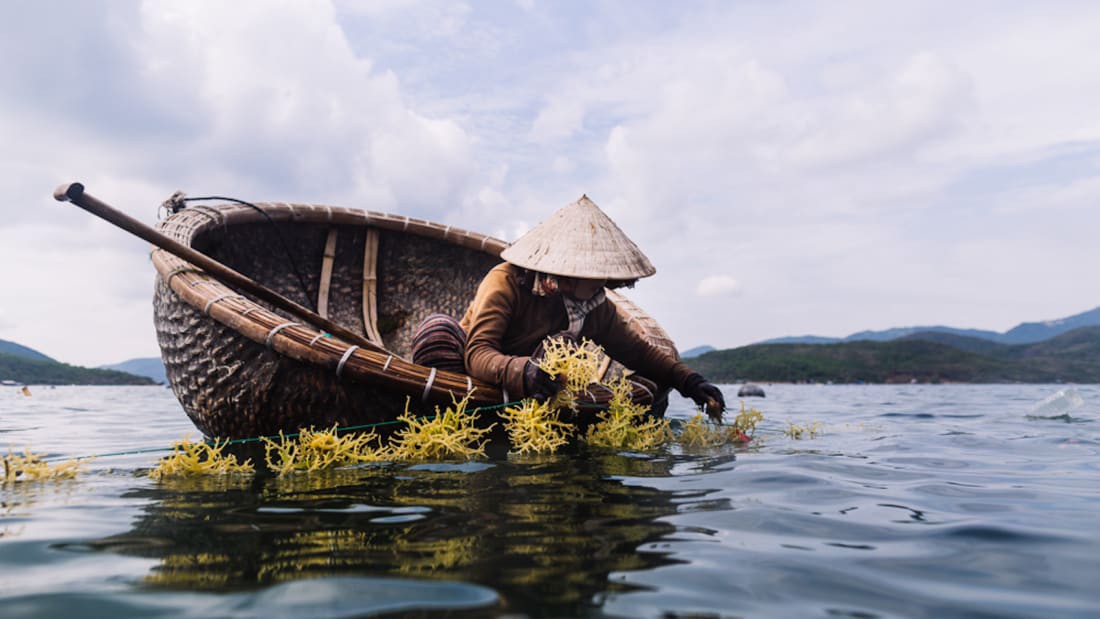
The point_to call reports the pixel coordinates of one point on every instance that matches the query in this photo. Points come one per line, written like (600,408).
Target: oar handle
(74,192)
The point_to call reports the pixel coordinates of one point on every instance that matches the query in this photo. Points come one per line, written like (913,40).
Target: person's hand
(537,383)
(705,395)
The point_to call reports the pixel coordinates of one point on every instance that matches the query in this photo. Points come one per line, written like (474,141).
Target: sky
(790,168)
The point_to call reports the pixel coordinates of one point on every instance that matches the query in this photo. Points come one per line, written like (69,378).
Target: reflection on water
(543,532)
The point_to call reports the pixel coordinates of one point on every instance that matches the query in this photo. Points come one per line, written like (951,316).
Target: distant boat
(241,368)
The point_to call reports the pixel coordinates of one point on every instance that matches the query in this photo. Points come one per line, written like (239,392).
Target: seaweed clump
(626,425)
(314,450)
(700,433)
(745,423)
(450,433)
(535,428)
(577,363)
(806,430)
(30,467)
(200,458)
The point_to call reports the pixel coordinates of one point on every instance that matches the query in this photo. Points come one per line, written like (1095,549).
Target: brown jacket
(505,323)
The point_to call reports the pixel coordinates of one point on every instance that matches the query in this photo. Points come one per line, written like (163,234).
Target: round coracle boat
(241,367)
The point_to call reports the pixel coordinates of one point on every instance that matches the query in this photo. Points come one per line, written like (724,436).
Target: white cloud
(560,119)
(286,99)
(79,302)
(563,164)
(717,285)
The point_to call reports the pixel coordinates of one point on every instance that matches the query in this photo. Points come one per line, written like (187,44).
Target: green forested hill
(20,350)
(924,357)
(46,372)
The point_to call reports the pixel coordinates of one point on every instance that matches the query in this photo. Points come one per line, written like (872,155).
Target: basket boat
(242,368)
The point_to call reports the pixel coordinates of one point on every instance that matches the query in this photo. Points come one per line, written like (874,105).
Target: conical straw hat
(581,241)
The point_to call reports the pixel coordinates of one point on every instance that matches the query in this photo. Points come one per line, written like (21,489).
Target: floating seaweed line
(30,466)
(452,432)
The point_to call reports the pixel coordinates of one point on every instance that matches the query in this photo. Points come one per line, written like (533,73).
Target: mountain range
(23,365)
(151,367)
(11,348)
(1023,333)
(924,357)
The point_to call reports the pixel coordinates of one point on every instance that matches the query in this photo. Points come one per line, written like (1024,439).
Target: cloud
(558,120)
(247,100)
(717,285)
(291,110)
(79,302)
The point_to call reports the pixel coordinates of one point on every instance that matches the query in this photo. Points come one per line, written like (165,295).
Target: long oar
(74,192)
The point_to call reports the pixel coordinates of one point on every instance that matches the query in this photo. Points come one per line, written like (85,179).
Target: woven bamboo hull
(241,368)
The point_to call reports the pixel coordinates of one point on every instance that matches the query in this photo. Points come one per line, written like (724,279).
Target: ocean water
(913,501)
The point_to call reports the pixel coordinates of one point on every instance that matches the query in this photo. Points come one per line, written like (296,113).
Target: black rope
(175,204)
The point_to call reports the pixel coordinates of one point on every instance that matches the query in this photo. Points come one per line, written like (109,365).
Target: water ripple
(914,501)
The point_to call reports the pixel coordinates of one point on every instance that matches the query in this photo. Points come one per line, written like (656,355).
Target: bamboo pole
(74,192)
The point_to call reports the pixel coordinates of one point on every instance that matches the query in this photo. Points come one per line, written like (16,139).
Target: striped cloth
(578,310)
(440,342)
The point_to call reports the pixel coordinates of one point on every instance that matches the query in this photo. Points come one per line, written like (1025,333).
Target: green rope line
(257,439)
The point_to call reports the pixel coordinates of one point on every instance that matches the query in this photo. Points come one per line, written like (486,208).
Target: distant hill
(898,332)
(49,372)
(1023,333)
(695,352)
(151,367)
(20,350)
(1037,331)
(954,340)
(803,339)
(925,357)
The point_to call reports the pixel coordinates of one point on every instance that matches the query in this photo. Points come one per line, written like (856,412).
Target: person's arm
(488,318)
(628,347)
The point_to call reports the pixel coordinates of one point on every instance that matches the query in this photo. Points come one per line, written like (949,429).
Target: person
(552,284)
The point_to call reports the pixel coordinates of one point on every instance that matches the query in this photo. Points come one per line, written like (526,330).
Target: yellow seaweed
(745,422)
(624,424)
(534,428)
(808,430)
(31,467)
(199,458)
(314,450)
(698,433)
(579,363)
(450,433)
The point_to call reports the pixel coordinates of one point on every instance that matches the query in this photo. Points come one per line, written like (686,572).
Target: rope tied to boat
(428,386)
(174,204)
(179,201)
(343,360)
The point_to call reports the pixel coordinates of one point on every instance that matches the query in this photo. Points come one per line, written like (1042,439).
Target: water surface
(914,501)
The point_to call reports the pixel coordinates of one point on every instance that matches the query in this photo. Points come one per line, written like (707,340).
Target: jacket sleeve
(488,317)
(628,347)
